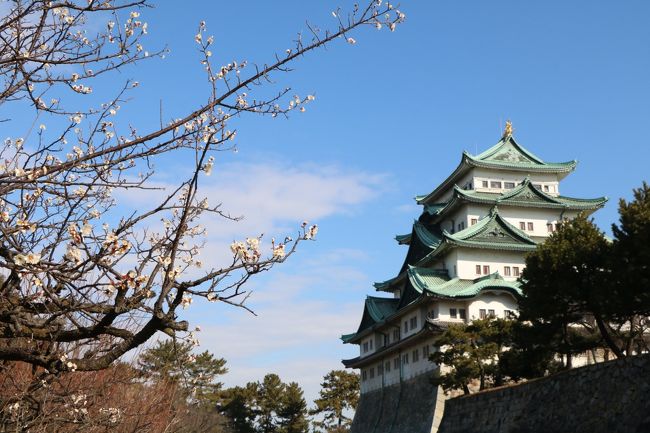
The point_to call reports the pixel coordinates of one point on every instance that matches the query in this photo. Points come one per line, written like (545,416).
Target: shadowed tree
(339,393)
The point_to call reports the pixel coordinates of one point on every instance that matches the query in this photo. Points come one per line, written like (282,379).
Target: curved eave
(556,167)
(381,352)
(403,239)
(467,289)
(580,204)
(388,285)
(460,170)
(362,333)
(504,246)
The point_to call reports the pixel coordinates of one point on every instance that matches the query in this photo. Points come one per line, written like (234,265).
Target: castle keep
(465,254)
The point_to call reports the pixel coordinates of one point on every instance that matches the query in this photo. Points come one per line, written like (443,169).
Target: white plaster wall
(468,177)
(469,258)
(497,301)
(443,310)
(480,174)
(540,217)
(369,338)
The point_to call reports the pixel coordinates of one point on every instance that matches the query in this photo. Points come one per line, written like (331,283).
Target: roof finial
(507,132)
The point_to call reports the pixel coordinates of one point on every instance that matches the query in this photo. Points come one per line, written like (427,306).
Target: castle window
(550,227)
(478,269)
(371,345)
(482,314)
(406,326)
(365,347)
(461,225)
(416,355)
(530,227)
(372,372)
(452,313)
(486,269)
(462,314)
(395,334)
(432,314)
(522,225)
(506,271)
(515,271)
(455,270)
(509,314)
(425,351)
(546,188)
(396,363)
(508,185)
(537,186)
(495,184)
(484,183)
(387,367)
(380,370)
(491,313)
(414,322)
(474,221)
(405,359)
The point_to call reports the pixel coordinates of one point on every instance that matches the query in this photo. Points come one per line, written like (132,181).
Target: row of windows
(459,313)
(523,225)
(508,271)
(483,313)
(497,184)
(367,346)
(413,356)
(413,322)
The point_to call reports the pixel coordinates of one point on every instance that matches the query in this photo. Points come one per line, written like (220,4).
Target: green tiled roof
(526,195)
(507,154)
(376,310)
(403,239)
(429,281)
(492,232)
(426,282)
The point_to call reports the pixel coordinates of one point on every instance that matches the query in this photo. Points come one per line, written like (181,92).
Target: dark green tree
(239,405)
(567,282)
(269,401)
(293,412)
(630,264)
(173,360)
(472,352)
(339,393)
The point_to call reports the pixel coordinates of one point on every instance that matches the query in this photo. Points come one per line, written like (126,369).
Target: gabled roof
(508,155)
(376,310)
(492,232)
(526,195)
(429,281)
(422,241)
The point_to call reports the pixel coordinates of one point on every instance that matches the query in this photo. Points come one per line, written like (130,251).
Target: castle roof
(524,195)
(507,155)
(492,232)
(426,283)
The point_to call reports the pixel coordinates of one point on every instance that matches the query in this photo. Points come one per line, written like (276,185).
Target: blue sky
(391,117)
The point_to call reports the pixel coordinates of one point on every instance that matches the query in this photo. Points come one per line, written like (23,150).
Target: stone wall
(612,397)
(414,406)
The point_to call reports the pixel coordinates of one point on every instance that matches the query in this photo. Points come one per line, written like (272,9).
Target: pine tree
(293,413)
(173,361)
(339,393)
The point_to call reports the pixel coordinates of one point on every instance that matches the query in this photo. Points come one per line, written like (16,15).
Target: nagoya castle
(464,255)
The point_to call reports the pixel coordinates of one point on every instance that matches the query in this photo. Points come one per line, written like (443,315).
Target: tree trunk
(607,337)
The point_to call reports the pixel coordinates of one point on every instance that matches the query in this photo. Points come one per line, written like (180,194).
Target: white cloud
(295,333)
(304,305)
